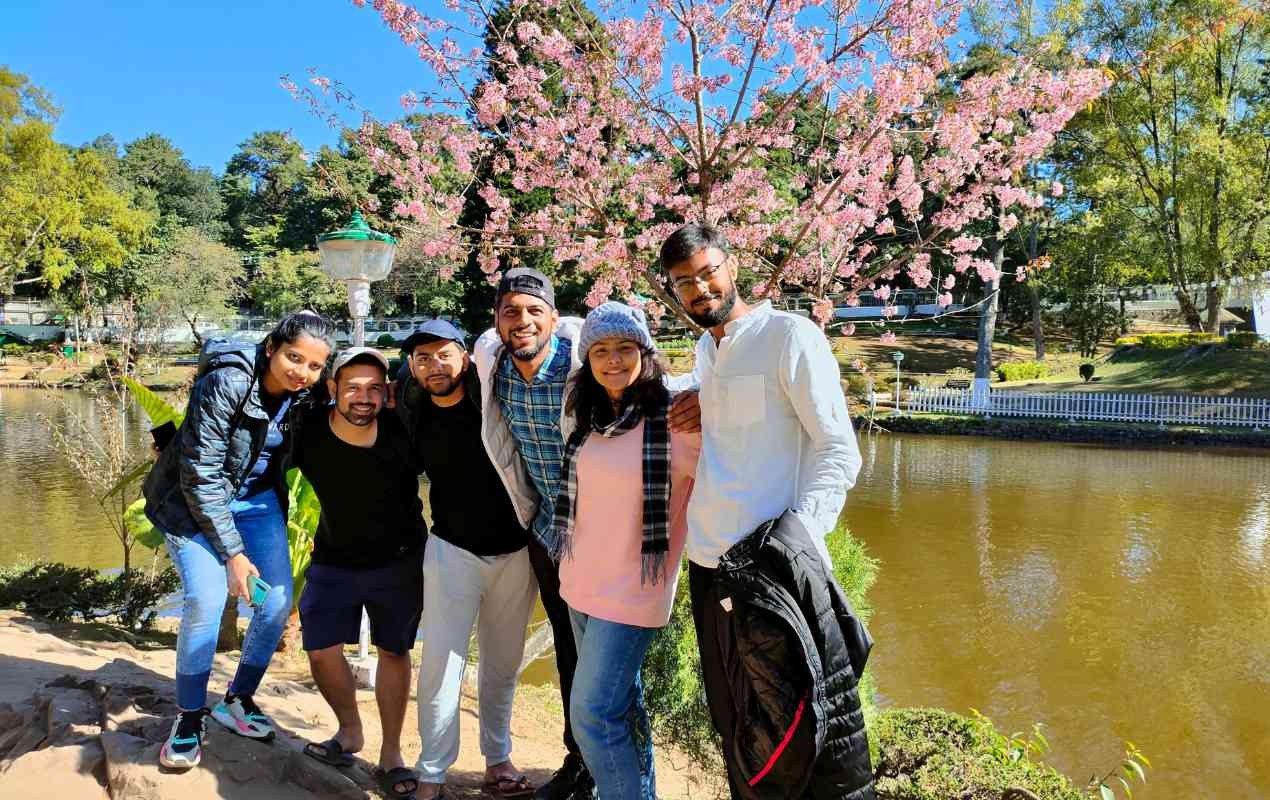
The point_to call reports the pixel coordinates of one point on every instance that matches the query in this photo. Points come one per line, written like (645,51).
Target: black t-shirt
(371,511)
(470,506)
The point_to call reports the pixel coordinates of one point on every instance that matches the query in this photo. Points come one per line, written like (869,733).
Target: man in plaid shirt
(524,364)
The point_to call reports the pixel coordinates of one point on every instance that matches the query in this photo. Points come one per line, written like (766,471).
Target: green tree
(61,215)
(289,281)
(193,279)
(1179,147)
(167,185)
(264,189)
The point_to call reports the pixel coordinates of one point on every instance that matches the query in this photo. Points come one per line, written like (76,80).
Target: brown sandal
(509,786)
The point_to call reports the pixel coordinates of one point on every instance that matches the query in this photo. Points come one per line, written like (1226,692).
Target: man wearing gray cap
(367,554)
(476,571)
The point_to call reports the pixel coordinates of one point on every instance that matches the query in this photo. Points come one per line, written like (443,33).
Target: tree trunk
(1189,312)
(227,639)
(988,325)
(1034,296)
(290,642)
(1215,294)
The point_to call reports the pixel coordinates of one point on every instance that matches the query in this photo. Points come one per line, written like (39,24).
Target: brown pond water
(1107,593)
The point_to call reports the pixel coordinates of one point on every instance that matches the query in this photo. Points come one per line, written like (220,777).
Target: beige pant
(461,590)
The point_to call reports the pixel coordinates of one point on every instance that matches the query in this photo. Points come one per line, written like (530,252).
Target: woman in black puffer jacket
(217,494)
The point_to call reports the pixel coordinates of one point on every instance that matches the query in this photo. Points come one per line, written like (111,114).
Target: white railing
(1251,412)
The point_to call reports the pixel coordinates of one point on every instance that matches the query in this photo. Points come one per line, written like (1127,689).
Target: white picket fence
(1251,412)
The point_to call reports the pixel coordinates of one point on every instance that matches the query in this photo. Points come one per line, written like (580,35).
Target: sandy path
(33,653)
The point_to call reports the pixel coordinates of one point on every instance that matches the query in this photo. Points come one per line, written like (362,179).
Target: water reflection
(1109,593)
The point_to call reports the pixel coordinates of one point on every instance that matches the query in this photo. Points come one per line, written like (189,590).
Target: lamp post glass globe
(357,256)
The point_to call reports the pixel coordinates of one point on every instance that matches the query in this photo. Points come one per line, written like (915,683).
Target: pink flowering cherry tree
(827,139)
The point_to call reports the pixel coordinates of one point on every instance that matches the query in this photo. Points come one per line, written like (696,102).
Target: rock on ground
(85,739)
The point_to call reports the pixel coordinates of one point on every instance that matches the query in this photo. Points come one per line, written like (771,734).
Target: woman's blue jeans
(606,707)
(263,528)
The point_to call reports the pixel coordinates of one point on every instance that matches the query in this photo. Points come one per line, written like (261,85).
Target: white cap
(348,354)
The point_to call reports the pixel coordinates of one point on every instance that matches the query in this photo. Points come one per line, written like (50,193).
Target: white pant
(456,586)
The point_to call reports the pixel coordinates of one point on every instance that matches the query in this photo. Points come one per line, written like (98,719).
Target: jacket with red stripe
(797,652)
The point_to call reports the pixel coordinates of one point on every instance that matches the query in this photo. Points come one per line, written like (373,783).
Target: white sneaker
(241,715)
(184,747)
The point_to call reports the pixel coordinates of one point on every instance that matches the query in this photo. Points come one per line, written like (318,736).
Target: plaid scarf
(656,478)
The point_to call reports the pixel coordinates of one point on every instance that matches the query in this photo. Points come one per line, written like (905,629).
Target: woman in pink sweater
(619,531)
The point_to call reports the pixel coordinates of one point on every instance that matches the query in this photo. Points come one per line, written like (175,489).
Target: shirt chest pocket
(742,401)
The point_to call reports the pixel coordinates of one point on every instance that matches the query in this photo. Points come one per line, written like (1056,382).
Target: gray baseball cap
(361,353)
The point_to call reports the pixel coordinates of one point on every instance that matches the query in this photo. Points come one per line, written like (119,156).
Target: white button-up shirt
(775,433)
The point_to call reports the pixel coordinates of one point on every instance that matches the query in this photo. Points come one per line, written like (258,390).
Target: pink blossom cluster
(686,112)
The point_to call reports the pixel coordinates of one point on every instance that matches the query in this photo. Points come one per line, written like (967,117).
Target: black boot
(566,780)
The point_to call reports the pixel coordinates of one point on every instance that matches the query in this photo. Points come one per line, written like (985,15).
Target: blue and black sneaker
(184,747)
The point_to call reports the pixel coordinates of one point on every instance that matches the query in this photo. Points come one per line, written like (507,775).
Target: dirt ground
(33,653)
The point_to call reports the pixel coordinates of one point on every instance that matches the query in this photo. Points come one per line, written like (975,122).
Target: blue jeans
(263,527)
(606,706)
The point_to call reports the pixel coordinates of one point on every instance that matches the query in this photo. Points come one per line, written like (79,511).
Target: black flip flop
(389,778)
(332,753)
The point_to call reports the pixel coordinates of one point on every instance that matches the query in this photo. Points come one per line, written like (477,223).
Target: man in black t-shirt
(367,554)
(476,570)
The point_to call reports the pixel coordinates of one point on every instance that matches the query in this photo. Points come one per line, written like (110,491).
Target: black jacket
(796,655)
(190,487)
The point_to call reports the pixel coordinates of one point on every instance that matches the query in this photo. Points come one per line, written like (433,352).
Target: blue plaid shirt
(532,410)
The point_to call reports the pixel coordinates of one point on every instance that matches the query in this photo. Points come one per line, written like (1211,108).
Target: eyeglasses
(703,277)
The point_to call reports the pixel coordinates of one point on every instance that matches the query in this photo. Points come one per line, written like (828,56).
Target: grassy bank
(1215,371)
(1064,431)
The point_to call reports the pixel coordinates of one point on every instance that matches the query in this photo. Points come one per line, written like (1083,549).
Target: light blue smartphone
(259,590)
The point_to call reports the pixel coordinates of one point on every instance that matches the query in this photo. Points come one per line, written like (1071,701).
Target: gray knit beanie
(614,319)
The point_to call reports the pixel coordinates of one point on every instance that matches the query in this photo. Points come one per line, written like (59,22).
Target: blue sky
(203,74)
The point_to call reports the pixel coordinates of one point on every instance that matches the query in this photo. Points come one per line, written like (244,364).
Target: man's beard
(354,416)
(526,353)
(709,319)
(450,388)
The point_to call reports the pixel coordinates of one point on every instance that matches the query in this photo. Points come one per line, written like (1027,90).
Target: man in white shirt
(775,430)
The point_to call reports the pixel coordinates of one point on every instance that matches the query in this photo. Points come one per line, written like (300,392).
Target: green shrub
(1086,371)
(1128,341)
(672,671)
(678,343)
(385,340)
(856,385)
(1245,340)
(60,592)
(930,754)
(1177,341)
(1022,370)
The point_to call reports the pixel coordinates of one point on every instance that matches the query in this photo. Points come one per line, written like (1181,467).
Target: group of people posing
(564,463)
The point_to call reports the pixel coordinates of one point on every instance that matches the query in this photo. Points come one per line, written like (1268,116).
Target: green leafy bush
(1087,371)
(1177,341)
(930,754)
(672,673)
(385,340)
(60,592)
(1022,370)
(1128,341)
(1245,340)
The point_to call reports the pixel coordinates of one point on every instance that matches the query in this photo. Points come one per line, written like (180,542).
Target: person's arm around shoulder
(809,376)
(204,444)
(685,452)
(485,351)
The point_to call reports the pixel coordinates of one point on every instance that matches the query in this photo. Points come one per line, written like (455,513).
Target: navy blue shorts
(333,599)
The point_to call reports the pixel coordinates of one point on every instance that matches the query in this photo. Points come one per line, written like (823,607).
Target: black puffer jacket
(189,489)
(797,654)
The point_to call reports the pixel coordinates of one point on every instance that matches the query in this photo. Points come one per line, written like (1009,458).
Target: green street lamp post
(897,356)
(357,256)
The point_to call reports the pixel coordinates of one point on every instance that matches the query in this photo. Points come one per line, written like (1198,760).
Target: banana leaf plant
(302,515)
